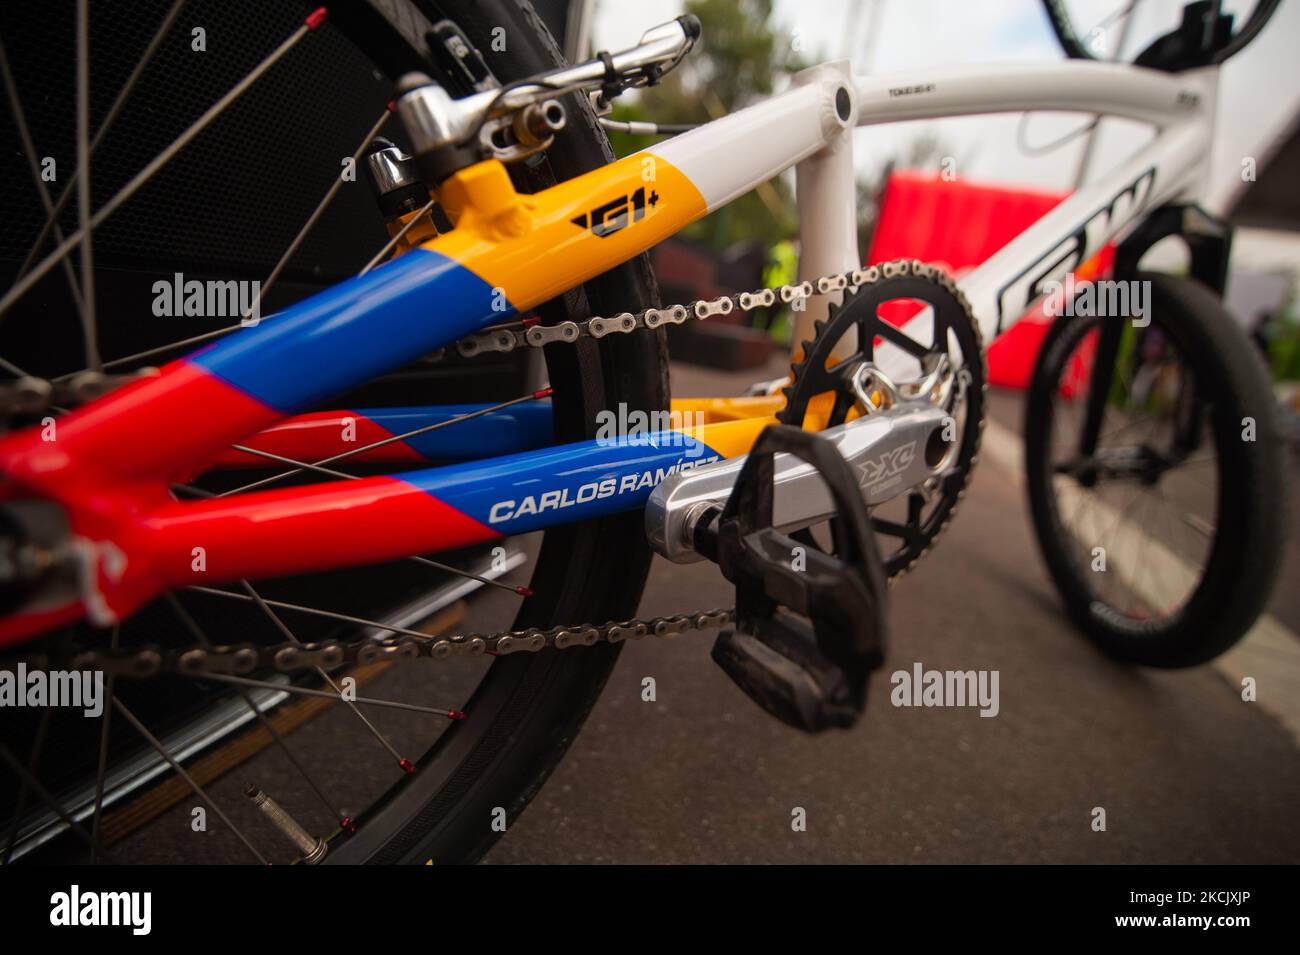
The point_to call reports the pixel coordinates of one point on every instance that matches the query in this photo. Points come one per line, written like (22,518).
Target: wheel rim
(489,683)
(1138,518)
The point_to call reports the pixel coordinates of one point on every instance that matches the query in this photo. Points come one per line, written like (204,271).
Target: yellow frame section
(730,426)
(711,411)
(529,245)
(729,438)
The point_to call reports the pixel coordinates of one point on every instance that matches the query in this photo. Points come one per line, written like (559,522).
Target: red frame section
(110,465)
(107,467)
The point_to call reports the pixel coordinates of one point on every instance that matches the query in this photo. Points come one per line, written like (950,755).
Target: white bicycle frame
(804,128)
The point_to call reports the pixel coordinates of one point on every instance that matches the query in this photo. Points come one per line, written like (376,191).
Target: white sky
(1260,88)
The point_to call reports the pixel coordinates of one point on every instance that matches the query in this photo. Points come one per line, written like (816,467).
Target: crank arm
(889,453)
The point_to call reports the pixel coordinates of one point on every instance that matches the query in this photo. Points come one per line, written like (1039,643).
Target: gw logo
(614,215)
(888,464)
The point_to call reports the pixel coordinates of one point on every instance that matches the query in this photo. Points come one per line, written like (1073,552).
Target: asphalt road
(1184,769)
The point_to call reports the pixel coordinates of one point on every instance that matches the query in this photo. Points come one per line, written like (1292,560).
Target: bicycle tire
(1251,488)
(585,573)
(527,708)
(1075,49)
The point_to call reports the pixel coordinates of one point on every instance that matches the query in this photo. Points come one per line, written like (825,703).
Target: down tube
(333,525)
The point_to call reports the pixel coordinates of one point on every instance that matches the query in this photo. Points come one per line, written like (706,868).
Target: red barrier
(957,225)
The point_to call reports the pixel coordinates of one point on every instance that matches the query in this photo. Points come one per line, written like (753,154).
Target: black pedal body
(810,625)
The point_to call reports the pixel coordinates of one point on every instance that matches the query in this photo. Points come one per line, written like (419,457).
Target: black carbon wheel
(1165,537)
(525,709)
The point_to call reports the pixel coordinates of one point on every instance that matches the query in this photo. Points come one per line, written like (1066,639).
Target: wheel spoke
(315,216)
(52,215)
(337,695)
(265,286)
(180,771)
(517,589)
(319,465)
(406,765)
(101,766)
(89,330)
(29,780)
(298,465)
(314,611)
(202,637)
(33,766)
(29,147)
(391,243)
(13,369)
(1143,531)
(42,267)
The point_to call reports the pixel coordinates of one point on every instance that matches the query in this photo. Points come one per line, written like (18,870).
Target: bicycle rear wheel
(592,572)
(526,708)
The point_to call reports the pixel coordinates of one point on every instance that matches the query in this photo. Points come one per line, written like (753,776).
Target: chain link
(246,658)
(507,338)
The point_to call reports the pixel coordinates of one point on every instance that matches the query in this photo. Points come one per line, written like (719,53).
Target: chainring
(820,371)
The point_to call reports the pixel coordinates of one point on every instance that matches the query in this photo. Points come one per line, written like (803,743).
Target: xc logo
(888,464)
(617,213)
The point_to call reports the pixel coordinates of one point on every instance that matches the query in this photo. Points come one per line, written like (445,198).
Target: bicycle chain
(35,396)
(531,334)
(242,659)
(246,658)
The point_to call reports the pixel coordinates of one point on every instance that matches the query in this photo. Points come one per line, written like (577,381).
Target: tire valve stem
(312,849)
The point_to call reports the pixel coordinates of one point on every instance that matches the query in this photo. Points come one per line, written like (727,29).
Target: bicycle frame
(110,464)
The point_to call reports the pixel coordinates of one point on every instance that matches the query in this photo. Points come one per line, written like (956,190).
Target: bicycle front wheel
(1160,519)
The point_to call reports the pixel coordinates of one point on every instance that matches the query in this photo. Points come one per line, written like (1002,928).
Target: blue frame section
(535,490)
(409,307)
(522,427)
(353,331)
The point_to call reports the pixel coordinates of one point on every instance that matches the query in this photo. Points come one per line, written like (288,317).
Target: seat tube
(827,197)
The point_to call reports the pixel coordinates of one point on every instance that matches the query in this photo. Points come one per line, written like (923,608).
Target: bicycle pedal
(809,671)
(784,672)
